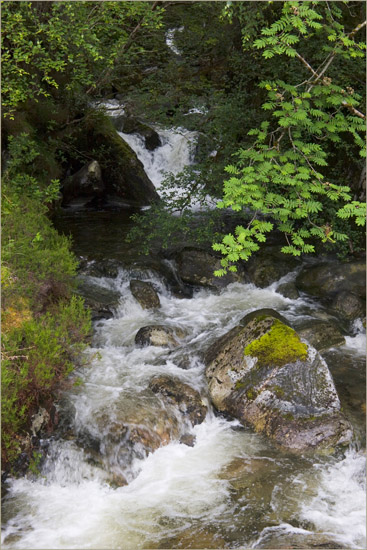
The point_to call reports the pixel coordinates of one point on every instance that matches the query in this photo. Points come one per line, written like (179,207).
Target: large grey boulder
(329,278)
(196,267)
(175,392)
(145,294)
(262,374)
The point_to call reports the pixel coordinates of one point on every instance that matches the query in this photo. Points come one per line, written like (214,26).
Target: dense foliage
(284,175)
(283,87)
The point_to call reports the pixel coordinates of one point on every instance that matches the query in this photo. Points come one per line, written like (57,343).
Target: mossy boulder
(264,375)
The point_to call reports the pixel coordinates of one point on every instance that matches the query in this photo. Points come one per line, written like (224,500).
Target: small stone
(158,335)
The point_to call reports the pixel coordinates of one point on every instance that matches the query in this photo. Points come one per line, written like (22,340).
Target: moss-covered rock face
(122,172)
(263,374)
(279,346)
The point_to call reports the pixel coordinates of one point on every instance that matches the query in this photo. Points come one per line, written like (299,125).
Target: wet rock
(188,439)
(329,278)
(199,537)
(288,290)
(100,300)
(39,421)
(159,335)
(262,374)
(145,294)
(132,125)
(134,428)
(103,268)
(348,305)
(269,265)
(196,267)
(278,538)
(87,182)
(322,335)
(175,392)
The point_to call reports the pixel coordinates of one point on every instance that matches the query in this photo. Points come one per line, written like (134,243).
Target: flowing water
(232,488)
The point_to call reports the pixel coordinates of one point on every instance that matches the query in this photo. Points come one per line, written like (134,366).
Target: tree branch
(123,50)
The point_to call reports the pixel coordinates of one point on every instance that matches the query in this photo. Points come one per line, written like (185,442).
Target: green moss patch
(279,346)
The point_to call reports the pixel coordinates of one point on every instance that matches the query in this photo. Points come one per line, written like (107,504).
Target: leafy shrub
(38,355)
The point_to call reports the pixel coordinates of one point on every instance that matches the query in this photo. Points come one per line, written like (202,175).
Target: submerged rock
(159,335)
(322,335)
(196,267)
(133,428)
(175,392)
(262,374)
(145,294)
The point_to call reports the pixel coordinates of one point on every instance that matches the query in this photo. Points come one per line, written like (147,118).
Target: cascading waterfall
(175,153)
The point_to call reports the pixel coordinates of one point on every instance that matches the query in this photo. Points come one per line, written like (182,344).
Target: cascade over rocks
(329,278)
(262,374)
(196,267)
(145,294)
(159,335)
(175,392)
(132,429)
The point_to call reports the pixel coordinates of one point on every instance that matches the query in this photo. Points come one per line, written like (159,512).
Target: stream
(232,488)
